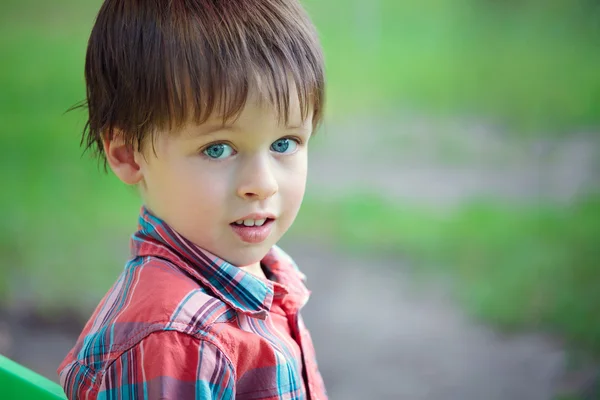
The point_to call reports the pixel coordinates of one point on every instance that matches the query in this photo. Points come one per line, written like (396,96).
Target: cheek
(202,185)
(187,185)
(293,185)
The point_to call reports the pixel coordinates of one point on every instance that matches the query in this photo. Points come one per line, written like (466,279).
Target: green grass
(533,68)
(528,266)
(52,190)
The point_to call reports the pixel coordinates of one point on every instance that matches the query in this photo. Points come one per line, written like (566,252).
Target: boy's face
(204,179)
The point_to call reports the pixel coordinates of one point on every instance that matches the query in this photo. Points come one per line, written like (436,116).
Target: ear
(122,158)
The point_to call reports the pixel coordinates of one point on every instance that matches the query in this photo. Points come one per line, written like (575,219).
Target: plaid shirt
(181,323)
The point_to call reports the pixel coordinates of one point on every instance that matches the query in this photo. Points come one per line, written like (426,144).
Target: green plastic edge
(20,383)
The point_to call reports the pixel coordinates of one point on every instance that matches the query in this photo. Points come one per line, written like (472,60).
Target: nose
(257,179)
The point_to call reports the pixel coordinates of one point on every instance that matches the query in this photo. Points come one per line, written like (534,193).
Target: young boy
(207,106)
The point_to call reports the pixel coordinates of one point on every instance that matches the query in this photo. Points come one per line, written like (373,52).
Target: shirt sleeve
(169,365)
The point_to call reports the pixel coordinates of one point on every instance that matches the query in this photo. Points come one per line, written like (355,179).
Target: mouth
(250,222)
(252,230)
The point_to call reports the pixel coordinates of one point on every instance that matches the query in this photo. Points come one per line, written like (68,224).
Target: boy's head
(208,106)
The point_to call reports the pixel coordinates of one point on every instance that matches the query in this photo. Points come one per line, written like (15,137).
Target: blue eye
(218,151)
(284,146)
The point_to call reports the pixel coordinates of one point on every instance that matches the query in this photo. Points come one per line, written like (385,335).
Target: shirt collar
(241,290)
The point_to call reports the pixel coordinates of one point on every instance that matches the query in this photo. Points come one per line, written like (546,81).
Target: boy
(207,106)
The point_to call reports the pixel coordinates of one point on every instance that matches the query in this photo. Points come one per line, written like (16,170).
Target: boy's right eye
(218,151)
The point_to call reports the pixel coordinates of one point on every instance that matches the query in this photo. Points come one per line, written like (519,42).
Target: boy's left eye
(284,146)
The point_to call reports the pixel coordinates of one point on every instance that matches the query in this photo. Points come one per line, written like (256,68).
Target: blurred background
(453,201)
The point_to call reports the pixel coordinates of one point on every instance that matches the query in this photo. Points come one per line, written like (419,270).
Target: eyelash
(294,138)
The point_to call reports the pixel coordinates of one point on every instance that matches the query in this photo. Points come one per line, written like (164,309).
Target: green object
(20,383)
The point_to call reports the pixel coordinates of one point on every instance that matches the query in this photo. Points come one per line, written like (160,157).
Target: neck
(255,269)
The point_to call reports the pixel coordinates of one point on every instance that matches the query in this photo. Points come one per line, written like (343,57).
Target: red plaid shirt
(180,323)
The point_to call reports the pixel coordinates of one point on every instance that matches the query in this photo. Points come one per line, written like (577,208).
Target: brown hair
(156,64)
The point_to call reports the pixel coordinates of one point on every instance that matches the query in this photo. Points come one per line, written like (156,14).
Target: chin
(249,256)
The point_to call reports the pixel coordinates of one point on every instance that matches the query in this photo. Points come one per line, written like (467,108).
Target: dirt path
(447,162)
(380,335)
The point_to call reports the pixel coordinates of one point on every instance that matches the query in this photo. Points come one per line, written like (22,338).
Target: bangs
(171,63)
(198,87)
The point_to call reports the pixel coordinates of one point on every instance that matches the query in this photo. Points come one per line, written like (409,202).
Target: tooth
(259,222)
(249,222)
(240,222)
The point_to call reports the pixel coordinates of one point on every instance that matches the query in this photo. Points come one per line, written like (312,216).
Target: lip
(253,234)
